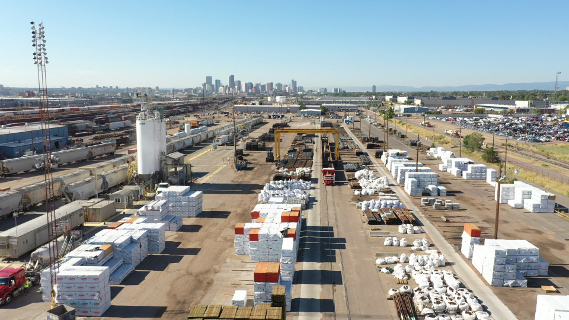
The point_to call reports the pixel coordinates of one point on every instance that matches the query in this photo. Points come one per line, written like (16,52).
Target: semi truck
(12,282)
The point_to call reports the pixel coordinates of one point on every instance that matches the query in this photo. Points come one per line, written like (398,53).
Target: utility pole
(387,131)
(234,138)
(417,157)
(506,156)
(498,203)
(460,141)
(493,148)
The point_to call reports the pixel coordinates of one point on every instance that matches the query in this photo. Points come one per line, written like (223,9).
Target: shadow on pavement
(134,312)
(312,305)
(324,277)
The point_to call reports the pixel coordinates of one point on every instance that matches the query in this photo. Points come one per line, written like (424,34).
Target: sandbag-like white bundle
(392,291)
(388,241)
(417,243)
(416,229)
(412,258)
(471,301)
(408,268)
(385,270)
(425,242)
(404,289)
(395,242)
(452,307)
(476,307)
(402,229)
(482,315)
(439,306)
(443,317)
(403,242)
(379,261)
(456,317)
(463,306)
(357,193)
(403,258)
(468,315)
(429,314)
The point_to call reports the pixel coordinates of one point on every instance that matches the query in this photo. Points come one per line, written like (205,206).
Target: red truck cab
(329,175)
(12,282)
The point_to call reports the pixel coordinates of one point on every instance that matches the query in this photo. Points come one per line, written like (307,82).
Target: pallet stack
(87,289)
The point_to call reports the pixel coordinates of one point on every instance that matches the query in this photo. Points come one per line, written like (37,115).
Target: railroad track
(537,156)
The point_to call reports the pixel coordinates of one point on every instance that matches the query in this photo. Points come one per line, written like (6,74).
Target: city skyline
(362,44)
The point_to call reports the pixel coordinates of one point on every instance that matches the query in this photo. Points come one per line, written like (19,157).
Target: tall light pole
(498,203)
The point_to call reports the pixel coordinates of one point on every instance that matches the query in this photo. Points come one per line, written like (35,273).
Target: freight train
(58,158)
(77,185)
(198,135)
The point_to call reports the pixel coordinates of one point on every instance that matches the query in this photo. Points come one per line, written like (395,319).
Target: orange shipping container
(260,220)
(285,217)
(240,228)
(472,230)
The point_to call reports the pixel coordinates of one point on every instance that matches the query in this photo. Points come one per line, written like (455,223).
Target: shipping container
(100,212)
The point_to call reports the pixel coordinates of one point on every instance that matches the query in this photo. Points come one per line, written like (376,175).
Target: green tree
(388,113)
(473,141)
(479,111)
(536,111)
(490,155)
(302,106)
(433,145)
(323,109)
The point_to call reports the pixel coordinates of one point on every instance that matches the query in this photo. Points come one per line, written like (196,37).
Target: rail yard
(357,239)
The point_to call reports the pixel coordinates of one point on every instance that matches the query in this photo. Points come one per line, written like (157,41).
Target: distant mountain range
(481,87)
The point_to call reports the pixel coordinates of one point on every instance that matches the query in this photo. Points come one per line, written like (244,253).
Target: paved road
(463,270)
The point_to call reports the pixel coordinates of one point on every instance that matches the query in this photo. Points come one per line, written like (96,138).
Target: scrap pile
(288,191)
(369,182)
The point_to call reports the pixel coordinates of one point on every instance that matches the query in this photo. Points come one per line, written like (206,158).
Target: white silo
(150,140)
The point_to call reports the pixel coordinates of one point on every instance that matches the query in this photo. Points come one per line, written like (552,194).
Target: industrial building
(409,109)
(16,141)
(267,108)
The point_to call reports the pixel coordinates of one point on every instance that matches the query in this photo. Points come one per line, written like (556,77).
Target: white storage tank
(281,99)
(151,141)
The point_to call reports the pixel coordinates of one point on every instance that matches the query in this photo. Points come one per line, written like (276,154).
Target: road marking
(201,154)
(211,174)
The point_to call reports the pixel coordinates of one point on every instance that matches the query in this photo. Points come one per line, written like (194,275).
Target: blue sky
(318,43)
